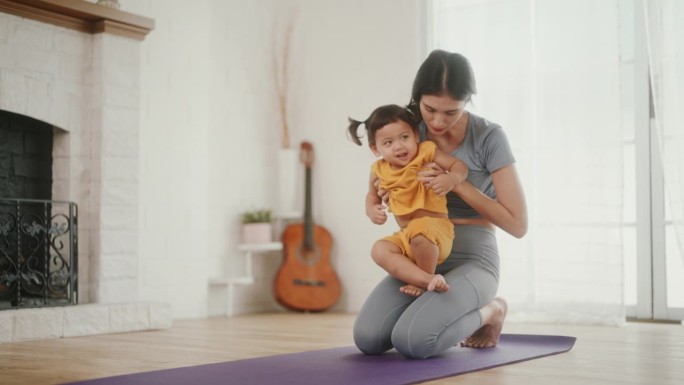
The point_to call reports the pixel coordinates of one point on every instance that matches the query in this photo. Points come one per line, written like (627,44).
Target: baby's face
(397,143)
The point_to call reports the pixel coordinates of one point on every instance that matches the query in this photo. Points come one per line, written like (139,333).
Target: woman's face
(441,112)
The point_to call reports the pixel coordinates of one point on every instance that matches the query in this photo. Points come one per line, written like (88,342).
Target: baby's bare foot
(438,284)
(411,290)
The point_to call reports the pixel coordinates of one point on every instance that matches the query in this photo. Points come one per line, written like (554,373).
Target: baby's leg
(390,257)
(426,254)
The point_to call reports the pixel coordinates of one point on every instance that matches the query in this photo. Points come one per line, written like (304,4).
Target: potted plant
(256,226)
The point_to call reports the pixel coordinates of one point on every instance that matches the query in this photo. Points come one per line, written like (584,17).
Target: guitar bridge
(308,282)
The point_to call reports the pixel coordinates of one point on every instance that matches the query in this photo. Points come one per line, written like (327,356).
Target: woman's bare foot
(438,284)
(411,290)
(493,316)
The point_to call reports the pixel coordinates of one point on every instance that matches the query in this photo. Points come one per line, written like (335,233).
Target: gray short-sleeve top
(485,149)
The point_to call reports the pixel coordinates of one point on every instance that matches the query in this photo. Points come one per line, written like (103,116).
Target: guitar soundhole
(309,255)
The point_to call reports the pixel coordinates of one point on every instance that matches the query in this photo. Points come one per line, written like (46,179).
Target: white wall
(209,134)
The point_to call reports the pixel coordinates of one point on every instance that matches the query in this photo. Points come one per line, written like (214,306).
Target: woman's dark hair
(378,119)
(443,72)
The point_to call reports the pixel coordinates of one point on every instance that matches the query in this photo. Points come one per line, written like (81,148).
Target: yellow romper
(407,194)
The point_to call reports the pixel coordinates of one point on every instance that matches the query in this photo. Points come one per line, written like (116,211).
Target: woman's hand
(434,177)
(442,184)
(383,194)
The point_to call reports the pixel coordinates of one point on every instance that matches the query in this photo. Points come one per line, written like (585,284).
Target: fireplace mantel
(81,16)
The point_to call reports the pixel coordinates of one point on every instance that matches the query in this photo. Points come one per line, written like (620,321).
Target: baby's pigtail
(353,130)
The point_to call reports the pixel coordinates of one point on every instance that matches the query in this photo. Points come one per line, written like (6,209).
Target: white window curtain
(549,71)
(665,39)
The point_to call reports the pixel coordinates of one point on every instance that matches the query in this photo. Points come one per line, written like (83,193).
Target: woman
(491,196)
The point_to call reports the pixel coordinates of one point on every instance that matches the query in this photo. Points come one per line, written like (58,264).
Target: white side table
(247,250)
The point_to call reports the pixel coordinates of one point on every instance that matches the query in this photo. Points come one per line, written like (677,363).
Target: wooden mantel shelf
(81,16)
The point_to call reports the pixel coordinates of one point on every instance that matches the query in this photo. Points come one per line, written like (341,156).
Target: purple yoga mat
(346,365)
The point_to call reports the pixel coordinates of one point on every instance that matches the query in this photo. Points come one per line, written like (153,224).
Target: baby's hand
(377,214)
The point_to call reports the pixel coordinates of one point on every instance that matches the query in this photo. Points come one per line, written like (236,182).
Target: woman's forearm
(512,221)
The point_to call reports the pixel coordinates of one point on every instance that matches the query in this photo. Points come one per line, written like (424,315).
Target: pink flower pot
(257,233)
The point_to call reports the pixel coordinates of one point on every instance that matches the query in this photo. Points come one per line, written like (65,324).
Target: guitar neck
(308,218)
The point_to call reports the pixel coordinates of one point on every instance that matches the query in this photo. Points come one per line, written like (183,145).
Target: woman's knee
(368,340)
(412,339)
(411,343)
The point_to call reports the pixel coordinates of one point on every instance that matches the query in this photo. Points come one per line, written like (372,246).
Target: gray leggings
(432,323)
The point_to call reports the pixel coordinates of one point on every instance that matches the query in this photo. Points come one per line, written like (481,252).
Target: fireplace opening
(25,157)
(38,236)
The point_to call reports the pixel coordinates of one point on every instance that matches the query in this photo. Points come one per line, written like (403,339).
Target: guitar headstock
(306,154)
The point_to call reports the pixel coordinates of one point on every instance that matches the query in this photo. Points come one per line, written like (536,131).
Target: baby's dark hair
(378,119)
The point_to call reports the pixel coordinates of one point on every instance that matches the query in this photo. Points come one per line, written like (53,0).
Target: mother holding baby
(492,196)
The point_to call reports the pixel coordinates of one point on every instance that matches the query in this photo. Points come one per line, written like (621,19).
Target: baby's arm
(375,209)
(456,173)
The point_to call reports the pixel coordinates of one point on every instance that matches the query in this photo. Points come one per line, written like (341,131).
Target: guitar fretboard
(308,218)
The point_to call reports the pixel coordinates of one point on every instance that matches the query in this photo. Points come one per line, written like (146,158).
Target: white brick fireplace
(76,66)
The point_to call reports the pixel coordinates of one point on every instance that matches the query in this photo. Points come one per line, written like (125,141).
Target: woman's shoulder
(481,125)
(491,143)
(483,130)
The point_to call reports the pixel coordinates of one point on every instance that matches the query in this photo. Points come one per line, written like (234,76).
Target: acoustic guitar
(306,280)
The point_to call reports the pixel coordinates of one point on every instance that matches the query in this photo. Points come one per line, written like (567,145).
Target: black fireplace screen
(38,253)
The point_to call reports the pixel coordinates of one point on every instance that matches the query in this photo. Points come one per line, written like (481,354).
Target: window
(568,81)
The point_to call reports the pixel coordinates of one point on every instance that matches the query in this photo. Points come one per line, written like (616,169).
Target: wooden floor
(638,353)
